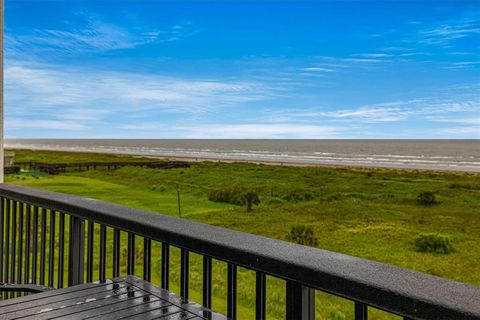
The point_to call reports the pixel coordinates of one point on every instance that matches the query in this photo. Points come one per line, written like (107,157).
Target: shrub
(426,198)
(237,196)
(275,201)
(297,195)
(461,185)
(160,188)
(302,234)
(333,197)
(432,243)
(225,195)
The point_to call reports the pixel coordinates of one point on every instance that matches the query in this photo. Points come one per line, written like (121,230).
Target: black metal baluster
(90,239)
(360,311)
(35,245)
(43,245)
(116,253)
(51,253)
(28,230)
(131,254)
(184,274)
(76,249)
(14,242)
(103,253)
(2,240)
(300,302)
(147,259)
(260,296)
(61,249)
(21,208)
(7,239)
(207,281)
(232,291)
(165,283)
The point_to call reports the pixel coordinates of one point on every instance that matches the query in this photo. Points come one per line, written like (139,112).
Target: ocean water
(452,155)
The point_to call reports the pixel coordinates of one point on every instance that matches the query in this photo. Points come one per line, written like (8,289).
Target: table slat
(139,310)
(59,297)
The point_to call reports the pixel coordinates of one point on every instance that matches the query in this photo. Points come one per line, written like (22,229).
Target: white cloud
(318,69)
(444,34)
(364,60)
(62,98)
(370,114)
(373,55)
(92,95)
(472,132)
(466,63)
(15,123)
(461,108)
(401,49)
(242,131)
(94,36)
(460,53)
(474,120)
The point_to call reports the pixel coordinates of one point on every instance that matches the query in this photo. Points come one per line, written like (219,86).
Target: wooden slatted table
(120,298)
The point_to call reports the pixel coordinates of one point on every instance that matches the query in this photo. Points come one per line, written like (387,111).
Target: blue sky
(226,69)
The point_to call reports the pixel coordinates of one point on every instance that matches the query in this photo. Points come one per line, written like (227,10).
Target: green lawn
(369,213)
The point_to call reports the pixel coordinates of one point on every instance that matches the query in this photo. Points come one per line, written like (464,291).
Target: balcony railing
(39,226)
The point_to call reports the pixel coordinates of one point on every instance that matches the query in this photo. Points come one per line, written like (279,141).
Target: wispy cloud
(18,123)
(473,120)
(374,113)
(373,55)
(460,53)
(370,114)
(446,33)
(94,35)
(244,131)
(86,95)
(461,109)
(462,65)
(469,131)
(318,69)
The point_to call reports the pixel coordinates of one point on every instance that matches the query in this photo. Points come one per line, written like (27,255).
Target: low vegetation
(364,212)
(297,195)
(433,243)
(426,198)
(302,234)
(238,196)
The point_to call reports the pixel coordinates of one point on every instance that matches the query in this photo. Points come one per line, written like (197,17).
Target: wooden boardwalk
(121,298)
(56,168)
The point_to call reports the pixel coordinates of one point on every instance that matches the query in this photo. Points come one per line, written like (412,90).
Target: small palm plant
(302,234)
(250,198)
(426,198)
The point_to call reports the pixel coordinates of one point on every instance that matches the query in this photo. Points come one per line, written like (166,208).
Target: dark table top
(120,298)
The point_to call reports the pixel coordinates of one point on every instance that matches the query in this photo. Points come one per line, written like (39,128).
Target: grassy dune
(369,213)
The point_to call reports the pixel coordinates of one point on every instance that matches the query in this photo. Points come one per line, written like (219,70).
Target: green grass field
(369,213)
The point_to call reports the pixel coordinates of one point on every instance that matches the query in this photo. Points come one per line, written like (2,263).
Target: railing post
(361,311)
(300,302)
(76,251)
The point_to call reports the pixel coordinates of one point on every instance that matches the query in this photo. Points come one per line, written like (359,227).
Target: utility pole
(178,200)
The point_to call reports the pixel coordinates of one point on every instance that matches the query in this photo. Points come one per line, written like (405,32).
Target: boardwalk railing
(49,238)
(56,168)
